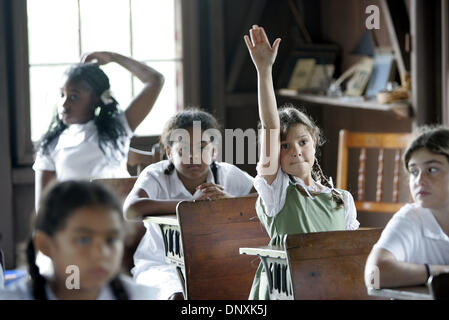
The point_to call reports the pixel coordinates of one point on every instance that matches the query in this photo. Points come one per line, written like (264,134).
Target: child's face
(77,104)
(298,152)
(429,179)
(190,159)
(92,240)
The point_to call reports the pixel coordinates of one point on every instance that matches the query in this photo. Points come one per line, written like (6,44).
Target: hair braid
(214,168)
(318,175)
(118,289)
(37,280)
(169,170)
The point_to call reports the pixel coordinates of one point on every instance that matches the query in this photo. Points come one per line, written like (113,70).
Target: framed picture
(310,69)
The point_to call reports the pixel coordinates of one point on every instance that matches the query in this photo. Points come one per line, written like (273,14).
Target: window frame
(23,147)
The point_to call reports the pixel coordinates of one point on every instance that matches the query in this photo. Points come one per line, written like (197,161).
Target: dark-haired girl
(294,194)
(190,173)
(415,243)
(90,136)
(79,226)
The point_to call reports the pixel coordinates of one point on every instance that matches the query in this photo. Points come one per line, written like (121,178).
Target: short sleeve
(237,181)
(273,196)
(397,237)
(149,181)
(44,162)
(350,212)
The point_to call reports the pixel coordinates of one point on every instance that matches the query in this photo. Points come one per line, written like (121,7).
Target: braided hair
(110,128)
(57,205)
(184,120)
(290,116)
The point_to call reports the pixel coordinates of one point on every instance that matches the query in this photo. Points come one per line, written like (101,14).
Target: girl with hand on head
(294,195)
(190,173)
(415,243)
(79,226)
(90,136)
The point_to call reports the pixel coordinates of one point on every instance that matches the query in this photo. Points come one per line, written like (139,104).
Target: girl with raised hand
(79,226)
(90,136)
(294,194)
(190,173)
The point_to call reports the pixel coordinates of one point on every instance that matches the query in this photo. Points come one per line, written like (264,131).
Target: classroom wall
(227,86)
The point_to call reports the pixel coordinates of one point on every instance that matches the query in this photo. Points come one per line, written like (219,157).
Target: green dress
(300,214)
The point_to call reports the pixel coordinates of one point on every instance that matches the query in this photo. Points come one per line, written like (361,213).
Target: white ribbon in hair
(106,97)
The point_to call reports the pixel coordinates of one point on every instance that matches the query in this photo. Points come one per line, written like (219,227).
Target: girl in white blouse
(79,225)
(415,243)
(190,173)
(90,136)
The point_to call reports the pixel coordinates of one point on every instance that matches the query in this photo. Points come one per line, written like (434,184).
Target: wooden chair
(134,229)
(364,141)
(329,265)
(140,158)
(212,233)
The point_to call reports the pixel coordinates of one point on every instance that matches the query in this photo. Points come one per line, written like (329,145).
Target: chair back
(384,143)
(140,158)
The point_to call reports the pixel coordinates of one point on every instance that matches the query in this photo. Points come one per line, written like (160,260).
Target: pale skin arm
(153,81)
(41,180)
(264,56)
(394,273)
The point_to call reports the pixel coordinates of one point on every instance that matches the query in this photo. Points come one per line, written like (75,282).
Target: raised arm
(263,56)
(153,81)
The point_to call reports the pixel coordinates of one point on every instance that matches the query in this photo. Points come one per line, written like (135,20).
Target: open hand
(98,57)
(262,53)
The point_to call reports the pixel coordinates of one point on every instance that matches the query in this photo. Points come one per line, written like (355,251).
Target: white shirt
(75,154)
(413,235)
(21,290)
(274,195)
(149,258)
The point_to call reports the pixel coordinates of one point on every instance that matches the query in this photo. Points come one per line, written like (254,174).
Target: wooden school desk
(318,265)
(171,235)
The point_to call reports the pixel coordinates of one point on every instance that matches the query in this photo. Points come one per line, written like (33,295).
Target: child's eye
(73,97)
(83,240)
(302,142)
(432,170)
(284,146)
(112,240)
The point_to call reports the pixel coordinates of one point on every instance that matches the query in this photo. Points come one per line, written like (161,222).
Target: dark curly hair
(109,127)
(184,120)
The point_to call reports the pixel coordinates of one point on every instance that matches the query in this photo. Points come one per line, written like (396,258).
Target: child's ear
(42,242)
(168,152)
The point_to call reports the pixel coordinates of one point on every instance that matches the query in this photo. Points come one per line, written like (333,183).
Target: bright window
(143,29)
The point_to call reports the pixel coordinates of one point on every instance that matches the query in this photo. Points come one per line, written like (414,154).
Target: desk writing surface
(265,251)
(168,219)
(402,293)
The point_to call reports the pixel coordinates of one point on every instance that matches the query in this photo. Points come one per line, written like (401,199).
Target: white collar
(433,229)
(311,188)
